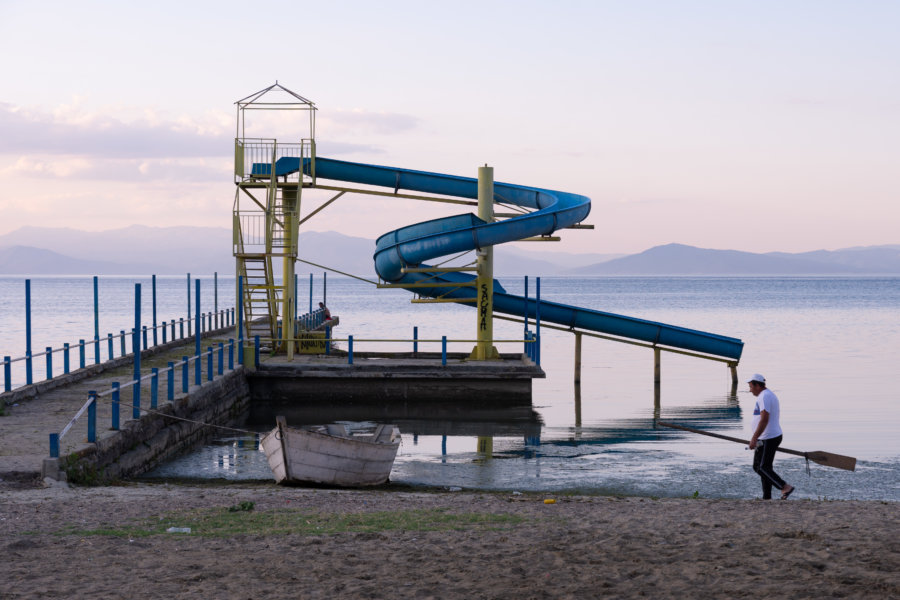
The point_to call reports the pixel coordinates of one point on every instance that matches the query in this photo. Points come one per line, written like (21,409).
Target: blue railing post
(197,370)
(189,302)
(80,354)
(525,312)
(136,341)
(350,349)
(49,354)
(145,337)
(444,350)
(416,340)
(123,347)
(92,417)
(7,374)
(154,310)
(221,369)
(537,320)
(115,406)
(54,445)
(173,330)
(184,375)
(96,321)
(310,292)
(327,341)
(240,319)
(109,345)
(154,387)
(28,373)
(256,351)
(209,364)
(231,354)
(164,333)
(170,382)
(136,400)
(181,328)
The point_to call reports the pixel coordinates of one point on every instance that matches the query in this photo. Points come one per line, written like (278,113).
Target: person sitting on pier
(327,312)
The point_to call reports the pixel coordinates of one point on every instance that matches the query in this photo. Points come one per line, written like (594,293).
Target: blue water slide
(412,245)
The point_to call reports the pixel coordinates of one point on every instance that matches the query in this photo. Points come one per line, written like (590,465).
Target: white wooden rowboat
(330,455)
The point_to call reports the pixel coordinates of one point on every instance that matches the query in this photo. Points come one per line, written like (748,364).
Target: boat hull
(298,455)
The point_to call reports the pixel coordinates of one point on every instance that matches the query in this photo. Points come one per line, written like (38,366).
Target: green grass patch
(218,522)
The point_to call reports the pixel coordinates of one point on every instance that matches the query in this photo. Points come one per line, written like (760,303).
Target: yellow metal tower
(266,210)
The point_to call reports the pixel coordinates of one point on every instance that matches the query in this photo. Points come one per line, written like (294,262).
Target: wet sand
(578,547)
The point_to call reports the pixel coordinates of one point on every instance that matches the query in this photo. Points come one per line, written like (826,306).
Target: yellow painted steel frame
(484,349)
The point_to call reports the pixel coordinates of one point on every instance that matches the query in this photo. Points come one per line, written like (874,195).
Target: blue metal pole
(209,364)
(240,319)
(416,340)
(198,328)
(154,387)
(197,370)
(525,314)
(54,445)
(256,351)
(189,303)
(115,406)
(170,382)
(444,350)
(109,345)
(92,417)
(96,321)
(184,375)
(49,355)
(310,291)
(28,374)
(173,330)
(7,374)
(221,369)
(231,354)
(145,336)
(537,319)
(327,341)
(164,333)
(122,341)
(80,354)
(181,328)
(136,341)
(350,349)
(155,341)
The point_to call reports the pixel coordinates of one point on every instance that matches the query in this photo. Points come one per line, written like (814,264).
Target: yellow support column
(484,348)
(289,201)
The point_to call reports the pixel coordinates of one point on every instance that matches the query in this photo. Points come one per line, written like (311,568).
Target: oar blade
(848,463)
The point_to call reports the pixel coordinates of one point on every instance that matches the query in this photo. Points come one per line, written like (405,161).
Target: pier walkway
(32,413)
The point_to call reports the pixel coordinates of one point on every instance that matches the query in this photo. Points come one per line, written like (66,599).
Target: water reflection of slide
(412,245)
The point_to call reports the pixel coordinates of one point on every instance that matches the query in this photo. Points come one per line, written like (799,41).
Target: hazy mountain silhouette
(142,250)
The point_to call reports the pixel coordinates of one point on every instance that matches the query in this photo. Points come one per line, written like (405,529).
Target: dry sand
(579,547)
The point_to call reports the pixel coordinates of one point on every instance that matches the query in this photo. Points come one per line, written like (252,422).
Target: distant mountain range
(141,250)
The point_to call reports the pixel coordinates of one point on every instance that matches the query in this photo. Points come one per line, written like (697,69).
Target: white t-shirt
(767,401)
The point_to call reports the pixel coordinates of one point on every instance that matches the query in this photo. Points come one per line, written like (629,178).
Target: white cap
(758,378)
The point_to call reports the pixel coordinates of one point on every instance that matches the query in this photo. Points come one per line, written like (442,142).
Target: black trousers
(763,458)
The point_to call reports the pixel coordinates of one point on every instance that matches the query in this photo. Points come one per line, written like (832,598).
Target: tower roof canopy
(276,96)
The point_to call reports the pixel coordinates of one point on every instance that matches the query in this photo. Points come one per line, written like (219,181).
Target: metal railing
(213,355)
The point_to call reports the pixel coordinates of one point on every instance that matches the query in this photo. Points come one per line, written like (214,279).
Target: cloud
(361,121)
(70,130)
(186,170)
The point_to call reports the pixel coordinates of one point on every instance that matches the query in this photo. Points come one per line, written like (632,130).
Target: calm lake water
(828,346)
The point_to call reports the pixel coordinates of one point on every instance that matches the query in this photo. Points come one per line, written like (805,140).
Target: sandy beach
(258,540)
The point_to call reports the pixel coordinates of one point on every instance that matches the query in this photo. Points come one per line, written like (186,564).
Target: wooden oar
(848,463)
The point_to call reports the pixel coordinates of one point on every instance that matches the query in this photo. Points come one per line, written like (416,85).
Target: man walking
(766,437)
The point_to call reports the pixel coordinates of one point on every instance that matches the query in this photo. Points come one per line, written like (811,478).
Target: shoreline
(80,542)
